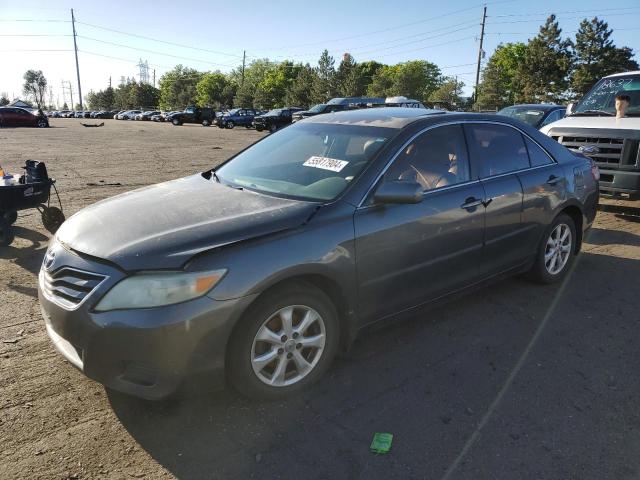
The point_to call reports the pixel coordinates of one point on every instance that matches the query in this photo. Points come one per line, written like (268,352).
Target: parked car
(307,237)
(21,117)
(242,117)
(591,127)
(129,114)
(318,110)
(116,116)
(147,115)
(401,101)
(536,115)
(192,114)
(275,119)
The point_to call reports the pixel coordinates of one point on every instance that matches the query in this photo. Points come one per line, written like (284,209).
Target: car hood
(165,225)
(610,123)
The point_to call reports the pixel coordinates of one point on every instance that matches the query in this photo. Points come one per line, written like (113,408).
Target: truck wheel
(248,127)
(6,233)
(230,124)
(175,121)
(273,128)
(259,129)
(205,123)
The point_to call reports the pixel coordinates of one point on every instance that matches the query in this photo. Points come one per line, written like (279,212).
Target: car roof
(389,117)
(622,74)
(539,106)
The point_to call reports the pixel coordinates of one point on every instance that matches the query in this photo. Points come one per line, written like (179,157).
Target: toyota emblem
(49,260)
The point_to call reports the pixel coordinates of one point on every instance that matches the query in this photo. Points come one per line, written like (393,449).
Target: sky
(114,35)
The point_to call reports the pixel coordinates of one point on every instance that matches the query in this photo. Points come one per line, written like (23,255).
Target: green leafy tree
(4,99)
(65,106)
(382,84)
(366,72)
(210,89)
(348,83)
(449,92)
(324,86)
(143,95)
(500,85)
(178,88)
(35,86)
(271,90)
(547,63)
(254,74)
(596,56)
(300,91)
(415,79)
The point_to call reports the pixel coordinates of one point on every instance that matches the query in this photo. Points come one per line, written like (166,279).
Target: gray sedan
(264,268)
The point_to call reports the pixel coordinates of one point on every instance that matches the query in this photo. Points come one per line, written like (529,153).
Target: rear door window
(495,149)
(537,156)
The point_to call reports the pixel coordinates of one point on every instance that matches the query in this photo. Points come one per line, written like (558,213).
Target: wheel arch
(577,215)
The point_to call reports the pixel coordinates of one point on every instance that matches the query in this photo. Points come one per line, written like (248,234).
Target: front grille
(612,152)
(69,286)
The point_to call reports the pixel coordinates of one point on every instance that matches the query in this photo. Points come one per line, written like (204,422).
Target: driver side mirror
(398,192)
(570,108)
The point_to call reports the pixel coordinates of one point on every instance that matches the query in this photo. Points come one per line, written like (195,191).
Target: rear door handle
(553,180)
(470,203)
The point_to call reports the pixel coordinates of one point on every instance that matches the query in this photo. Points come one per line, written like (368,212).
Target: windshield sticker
(326,163)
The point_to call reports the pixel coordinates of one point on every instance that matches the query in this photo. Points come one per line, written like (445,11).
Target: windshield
(318,108)
(528,115)
(602,97)
(306,161)
(233,112)
(275,111)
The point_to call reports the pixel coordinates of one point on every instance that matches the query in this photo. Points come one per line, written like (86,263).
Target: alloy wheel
(288,345)
(558,249)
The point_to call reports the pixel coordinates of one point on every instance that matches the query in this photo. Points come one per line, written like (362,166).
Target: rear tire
(10,217)
(6,233)
(556,252)
(230,124)
(273,128)
(205,123)
(176,122)
(285,348)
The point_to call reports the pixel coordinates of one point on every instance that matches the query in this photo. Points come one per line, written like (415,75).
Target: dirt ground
(515,381)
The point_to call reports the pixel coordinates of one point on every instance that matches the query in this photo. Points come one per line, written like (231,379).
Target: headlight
(155,289)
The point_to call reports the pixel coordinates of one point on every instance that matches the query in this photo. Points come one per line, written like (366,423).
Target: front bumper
(620,181)
(146,353)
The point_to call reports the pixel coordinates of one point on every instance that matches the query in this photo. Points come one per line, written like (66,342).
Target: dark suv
(275,119)
(238,116)
(192,114)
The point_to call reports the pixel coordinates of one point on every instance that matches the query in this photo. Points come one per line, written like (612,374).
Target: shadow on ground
(429,381)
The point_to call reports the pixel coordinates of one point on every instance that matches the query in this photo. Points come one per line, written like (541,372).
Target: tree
(348,77)
(35,86)
(324,84)
(415,79)
(596,56)
(271,90)
(500,84)
(4,99)
(65,106)
(254,74)
(178,88)
(546,65)
(449,93)
(143,95)
(300,92)
(211,88)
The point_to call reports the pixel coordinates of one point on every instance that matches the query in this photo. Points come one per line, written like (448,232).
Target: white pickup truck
(591,128)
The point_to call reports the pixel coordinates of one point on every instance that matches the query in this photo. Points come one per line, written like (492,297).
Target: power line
(34,35)
(599,10)
(158,40)
(32,20)
(557,18)
(153,51)
(36,50)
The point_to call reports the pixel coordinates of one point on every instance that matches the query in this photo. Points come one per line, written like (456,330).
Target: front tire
(176,122)
(556,252)
(230,124)
(42,123)
(284,342)
(273,128)
(205,123)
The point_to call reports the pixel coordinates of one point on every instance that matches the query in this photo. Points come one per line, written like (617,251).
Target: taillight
(595,171)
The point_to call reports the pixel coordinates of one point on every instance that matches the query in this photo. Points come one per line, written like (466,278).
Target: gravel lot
(515,381)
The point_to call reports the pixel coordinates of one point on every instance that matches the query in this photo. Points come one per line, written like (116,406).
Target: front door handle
(553,180)
(470,203)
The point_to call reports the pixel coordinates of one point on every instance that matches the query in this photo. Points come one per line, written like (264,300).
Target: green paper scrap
(381,442)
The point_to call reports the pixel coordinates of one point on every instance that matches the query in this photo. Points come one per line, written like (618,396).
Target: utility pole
(75,47)
(109,82)
(244,58)
(480,52)
(154,78)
